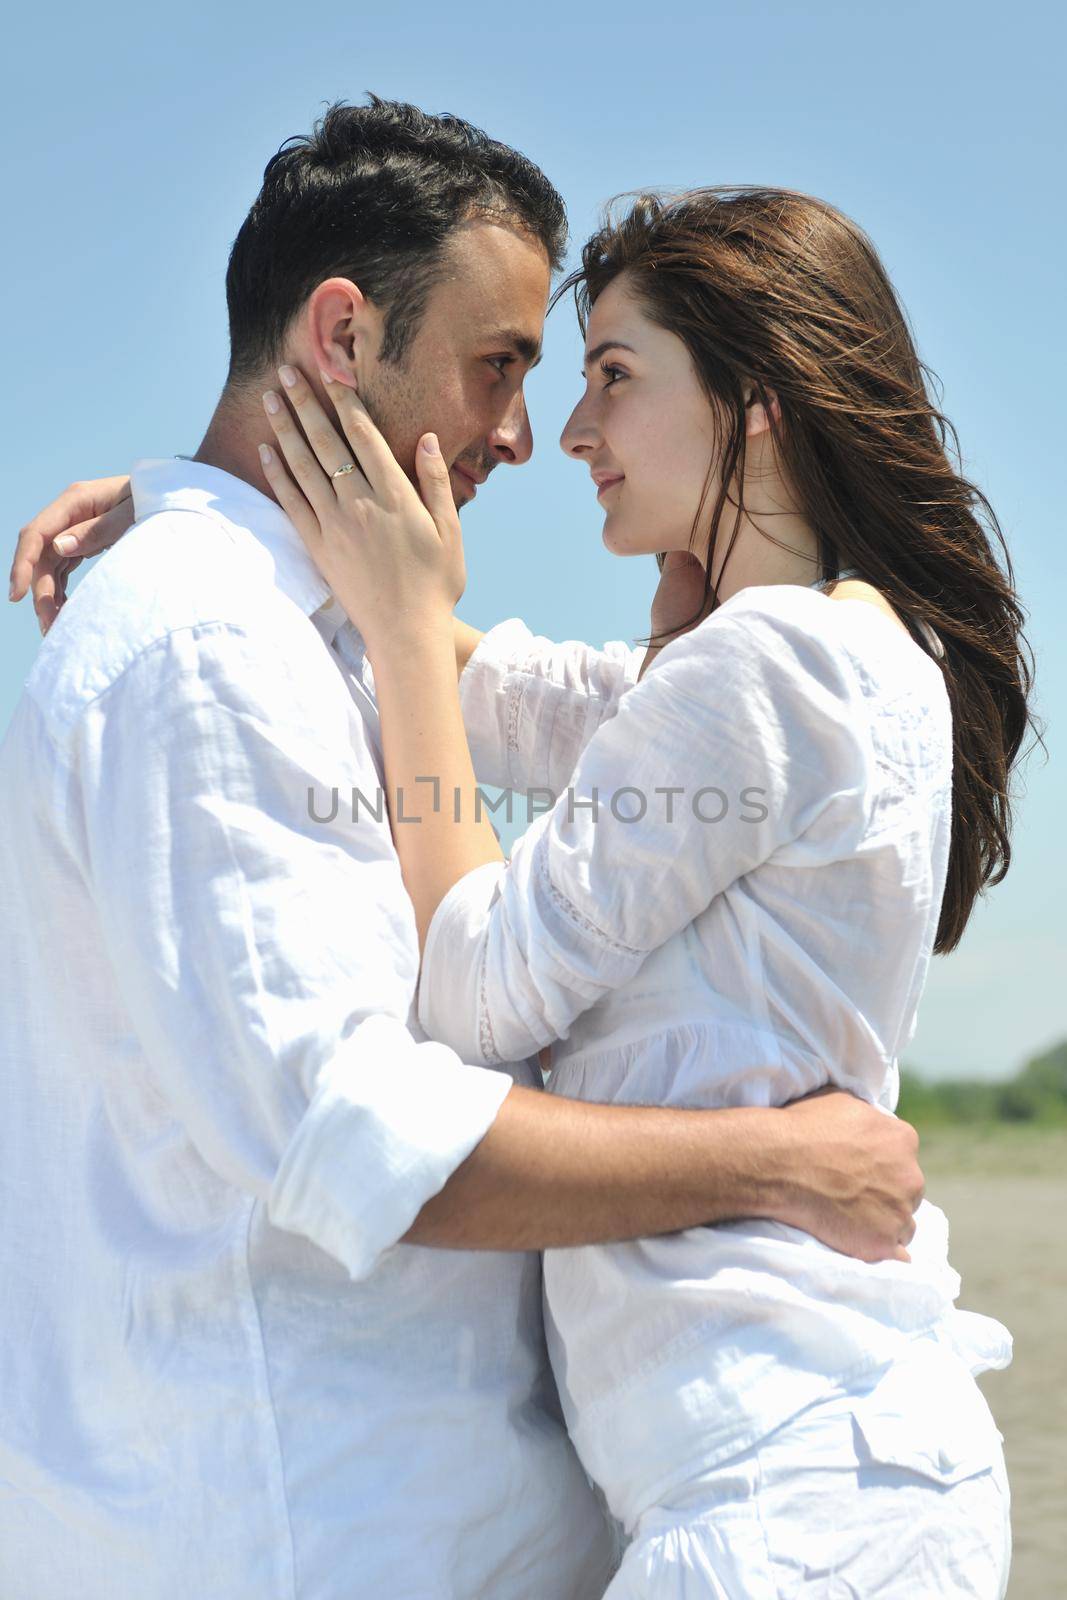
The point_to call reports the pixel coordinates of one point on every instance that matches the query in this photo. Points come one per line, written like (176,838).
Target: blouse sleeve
(530,706)
(745,741)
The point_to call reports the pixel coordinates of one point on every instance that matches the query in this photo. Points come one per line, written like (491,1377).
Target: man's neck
(234,434)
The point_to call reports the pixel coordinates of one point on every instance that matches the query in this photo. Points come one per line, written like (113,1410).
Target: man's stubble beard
(400,415)
(389,415)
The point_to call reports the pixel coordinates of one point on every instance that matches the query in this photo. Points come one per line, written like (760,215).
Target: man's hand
(679,603)
(82,521)
(552,1173)
(851,1176)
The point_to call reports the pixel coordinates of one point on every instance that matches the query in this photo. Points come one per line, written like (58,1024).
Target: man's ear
(341,331)
(756,418)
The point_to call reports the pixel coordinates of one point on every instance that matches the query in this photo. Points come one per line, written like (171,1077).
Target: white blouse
(732,902)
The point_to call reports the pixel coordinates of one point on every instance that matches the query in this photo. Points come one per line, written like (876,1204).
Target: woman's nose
(579,436)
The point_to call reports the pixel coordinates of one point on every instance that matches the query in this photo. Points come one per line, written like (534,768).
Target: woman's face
(644,427)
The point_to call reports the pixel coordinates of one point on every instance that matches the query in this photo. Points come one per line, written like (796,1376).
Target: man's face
(462,375)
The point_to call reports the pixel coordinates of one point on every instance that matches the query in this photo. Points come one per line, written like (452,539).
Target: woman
(760,845)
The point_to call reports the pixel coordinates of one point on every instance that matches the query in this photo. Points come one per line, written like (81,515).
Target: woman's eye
(613,374)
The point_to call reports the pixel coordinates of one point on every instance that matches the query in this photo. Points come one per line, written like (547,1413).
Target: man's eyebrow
(594,355)
(522,344)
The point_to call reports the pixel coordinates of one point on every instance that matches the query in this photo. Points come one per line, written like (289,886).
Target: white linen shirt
(220,1374)
(733,903)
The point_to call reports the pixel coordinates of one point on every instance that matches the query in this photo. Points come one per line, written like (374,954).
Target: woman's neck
(775,543)
(757,559)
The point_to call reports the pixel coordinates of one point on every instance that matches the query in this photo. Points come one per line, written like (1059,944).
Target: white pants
(895,1493)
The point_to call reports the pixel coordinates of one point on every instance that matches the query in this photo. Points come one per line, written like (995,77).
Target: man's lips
(469,480)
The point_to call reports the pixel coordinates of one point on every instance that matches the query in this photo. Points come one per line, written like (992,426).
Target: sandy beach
(1005,1194)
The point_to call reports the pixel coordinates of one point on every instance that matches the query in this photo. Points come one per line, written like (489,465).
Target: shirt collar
(175,484)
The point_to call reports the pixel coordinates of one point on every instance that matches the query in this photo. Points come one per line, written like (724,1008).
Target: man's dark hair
(373,195)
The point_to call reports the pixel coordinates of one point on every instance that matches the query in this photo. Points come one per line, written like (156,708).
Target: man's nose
(512,441)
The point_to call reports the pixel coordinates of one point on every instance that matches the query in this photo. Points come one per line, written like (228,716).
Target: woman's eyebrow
(609,344)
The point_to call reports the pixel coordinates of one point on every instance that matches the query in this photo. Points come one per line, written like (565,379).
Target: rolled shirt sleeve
(744,742)
(530,706)
(266,948)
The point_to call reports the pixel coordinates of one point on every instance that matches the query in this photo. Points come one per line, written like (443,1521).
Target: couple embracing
(279,1169)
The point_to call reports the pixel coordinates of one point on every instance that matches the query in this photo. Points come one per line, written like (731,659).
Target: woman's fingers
(49,587)
(369,449)
(75,511)
(97,533)
(436,489)
(28,552)
(291,498)
(435,484)
(314,454)
(363,445)
(46,603)
(330,449)
(58,559)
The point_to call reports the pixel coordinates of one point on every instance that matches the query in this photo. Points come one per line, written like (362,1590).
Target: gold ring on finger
(349,466)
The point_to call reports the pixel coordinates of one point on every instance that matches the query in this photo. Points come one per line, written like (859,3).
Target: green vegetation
(1037,1095)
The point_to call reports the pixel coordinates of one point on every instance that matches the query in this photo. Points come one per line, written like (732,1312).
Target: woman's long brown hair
(777,291)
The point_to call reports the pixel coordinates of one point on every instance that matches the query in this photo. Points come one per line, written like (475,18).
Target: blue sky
(134,149)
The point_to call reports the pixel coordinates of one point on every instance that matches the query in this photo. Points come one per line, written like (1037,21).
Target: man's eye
(500,362)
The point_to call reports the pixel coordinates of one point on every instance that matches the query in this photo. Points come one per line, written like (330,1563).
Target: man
(271,1322)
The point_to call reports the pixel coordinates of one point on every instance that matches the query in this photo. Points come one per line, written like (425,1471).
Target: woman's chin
(623,543)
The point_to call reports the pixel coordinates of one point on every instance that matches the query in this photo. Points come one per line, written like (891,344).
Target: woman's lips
(611,483)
